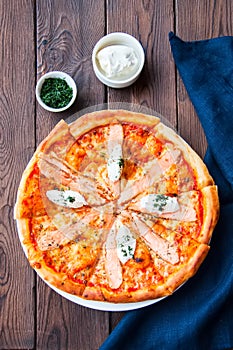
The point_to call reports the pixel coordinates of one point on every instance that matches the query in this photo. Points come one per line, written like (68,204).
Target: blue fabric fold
(200,314)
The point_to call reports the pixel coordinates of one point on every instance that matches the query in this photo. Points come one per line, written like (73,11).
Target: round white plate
(100,305)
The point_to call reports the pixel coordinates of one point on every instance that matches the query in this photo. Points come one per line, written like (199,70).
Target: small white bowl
(118,38)
(56,74)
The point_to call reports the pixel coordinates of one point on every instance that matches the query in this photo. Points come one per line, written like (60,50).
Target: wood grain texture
(17,141)
(66,34)
(65,325)
(38,36)
(198,20)
(150,22)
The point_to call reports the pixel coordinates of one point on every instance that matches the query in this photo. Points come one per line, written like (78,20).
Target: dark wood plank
(66,34)
(150,22)
(65,39)
(207,19)
(16,147)
(65,325)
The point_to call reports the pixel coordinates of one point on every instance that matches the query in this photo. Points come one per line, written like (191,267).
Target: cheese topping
(118,61)
(126,244)
(158,203)
(68,198)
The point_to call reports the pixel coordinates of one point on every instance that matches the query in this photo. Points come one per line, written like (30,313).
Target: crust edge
(101,118)
(189,270)
(210,212)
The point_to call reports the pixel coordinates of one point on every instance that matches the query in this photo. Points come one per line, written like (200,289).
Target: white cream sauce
(126,244)
(67,198)
(158,203)
(118,61)
(115,163)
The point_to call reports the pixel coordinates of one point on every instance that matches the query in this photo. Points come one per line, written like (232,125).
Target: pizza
(116,207)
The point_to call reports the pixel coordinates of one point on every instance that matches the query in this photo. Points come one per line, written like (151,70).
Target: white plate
(100,305)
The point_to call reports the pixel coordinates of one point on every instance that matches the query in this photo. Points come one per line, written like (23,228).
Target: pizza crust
(18,208)
(137,295)
(101,293)
(210,212)
(101,118)
(59,133)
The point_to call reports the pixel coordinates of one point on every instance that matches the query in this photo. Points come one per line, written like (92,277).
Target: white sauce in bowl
(117,61)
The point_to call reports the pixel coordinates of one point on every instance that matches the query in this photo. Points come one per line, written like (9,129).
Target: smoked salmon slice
(113,266)
(160,246)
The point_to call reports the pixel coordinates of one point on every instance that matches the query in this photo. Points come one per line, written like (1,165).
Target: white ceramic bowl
(118,38)
(56,74)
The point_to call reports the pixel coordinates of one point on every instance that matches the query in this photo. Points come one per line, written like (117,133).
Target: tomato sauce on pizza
(116,207)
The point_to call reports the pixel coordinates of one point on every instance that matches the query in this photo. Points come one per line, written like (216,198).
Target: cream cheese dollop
(115,164)
(158,203)
(66,198)
(118,61)
(126,244)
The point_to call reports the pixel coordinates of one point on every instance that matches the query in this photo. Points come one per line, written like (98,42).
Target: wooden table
(45,35)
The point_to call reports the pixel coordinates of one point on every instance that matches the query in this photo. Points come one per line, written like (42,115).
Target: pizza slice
(58,171)
(191,255)
(39,195)
(125,271)
(59,141)
(98,155)
(64,249)
(193,171)
(93,133)
(176,256)
(30,202)
(195,212)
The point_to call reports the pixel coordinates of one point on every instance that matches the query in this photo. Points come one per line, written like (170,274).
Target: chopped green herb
(160,202)
(71,199)
(121,162)
(56,93)
(124,252)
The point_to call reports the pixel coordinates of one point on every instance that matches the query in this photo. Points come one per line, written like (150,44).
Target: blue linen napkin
(200,314)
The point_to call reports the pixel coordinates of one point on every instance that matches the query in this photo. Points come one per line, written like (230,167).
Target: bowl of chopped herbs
(56,91)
